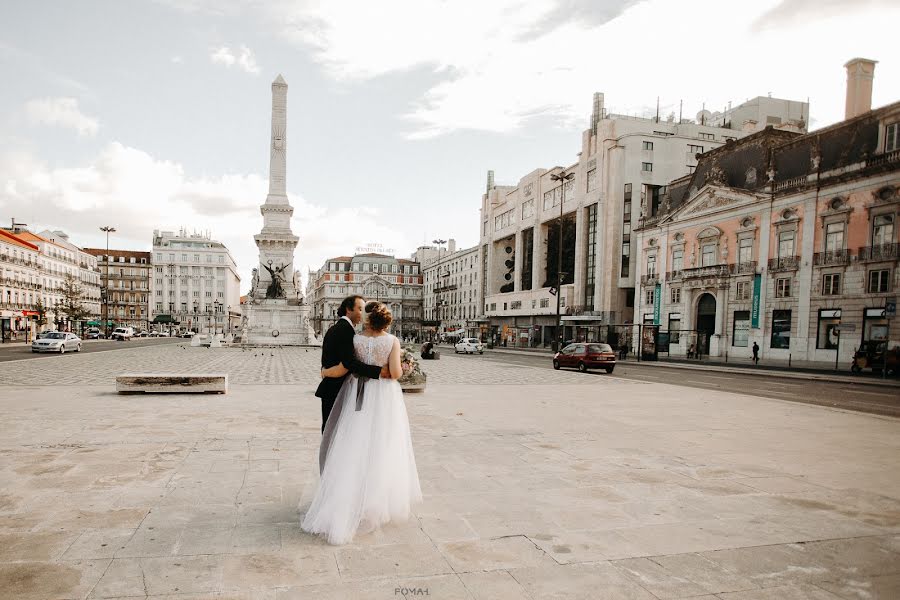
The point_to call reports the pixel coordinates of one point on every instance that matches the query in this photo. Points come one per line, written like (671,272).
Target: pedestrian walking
(755,353)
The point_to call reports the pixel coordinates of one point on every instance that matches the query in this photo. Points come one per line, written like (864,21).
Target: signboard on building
(890,307)
(754,307)
(374,248)
(657,303)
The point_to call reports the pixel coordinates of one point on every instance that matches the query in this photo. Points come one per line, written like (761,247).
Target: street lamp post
(216,316)
(196,315)
(107,230)
(562,177)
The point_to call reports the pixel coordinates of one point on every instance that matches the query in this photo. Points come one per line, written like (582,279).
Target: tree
(41,311)
(71,305)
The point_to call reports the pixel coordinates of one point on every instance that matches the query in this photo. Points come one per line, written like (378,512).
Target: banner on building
(754,308)
(657,303)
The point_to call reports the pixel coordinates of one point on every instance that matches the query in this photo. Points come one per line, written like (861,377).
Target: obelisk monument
(274,313)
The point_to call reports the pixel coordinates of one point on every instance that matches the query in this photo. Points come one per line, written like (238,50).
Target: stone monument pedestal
(274,322)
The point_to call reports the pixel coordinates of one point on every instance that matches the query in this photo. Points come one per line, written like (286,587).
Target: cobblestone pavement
(653,492)
(278,366)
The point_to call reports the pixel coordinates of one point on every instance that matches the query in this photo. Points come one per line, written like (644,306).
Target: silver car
(57,341)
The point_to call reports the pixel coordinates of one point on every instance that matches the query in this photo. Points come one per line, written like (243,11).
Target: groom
(337,347)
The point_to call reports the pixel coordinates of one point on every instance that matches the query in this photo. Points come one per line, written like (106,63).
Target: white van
(123,333)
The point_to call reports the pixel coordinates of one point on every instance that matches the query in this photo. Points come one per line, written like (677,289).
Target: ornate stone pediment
(711,202)
(712,198)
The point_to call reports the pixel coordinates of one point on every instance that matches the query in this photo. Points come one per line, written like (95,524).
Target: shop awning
(164,319)
(582,318)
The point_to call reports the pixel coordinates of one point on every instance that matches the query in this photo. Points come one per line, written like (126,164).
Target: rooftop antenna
(703,119)
(680,106)
(657,109)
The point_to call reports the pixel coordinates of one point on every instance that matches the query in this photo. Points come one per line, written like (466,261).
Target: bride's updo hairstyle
(380,316)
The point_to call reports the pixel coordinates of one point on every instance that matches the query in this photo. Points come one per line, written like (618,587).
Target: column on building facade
(805,276)
(609,241)
(765,232)
(517,273)
(662,261)
(580,254)
(599,252)
(719,343)
(539,249)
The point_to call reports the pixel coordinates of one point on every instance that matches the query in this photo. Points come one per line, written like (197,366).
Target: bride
(368,468)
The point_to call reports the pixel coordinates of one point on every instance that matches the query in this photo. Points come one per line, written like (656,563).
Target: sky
(148,115)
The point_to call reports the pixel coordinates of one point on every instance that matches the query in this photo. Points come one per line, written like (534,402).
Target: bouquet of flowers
(413,376)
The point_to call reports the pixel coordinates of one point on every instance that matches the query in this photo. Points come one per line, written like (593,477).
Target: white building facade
(20,287)
(194,284)
(622,171)
(395,281)
(88,270)
(452,292)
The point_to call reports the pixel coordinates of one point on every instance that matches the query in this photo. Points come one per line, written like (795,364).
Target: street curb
(739,371)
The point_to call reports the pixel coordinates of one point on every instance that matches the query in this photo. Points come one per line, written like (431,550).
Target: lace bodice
(373,350)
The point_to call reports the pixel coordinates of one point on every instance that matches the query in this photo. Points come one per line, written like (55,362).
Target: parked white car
(122,333)
(57,341)
(469,346)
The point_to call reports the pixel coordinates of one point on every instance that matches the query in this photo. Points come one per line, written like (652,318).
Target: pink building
(779,238)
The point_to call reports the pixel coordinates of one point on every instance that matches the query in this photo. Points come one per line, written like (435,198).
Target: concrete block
(156,383)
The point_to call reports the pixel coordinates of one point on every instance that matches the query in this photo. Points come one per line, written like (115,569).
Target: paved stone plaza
(538,484)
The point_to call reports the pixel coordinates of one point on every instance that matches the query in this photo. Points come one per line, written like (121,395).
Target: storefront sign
(754,309)
(657,304)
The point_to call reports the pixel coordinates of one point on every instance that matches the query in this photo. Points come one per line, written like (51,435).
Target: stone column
(517,272)
(580,255)
(762,334)
(800,348)
(539,266)
(278,145)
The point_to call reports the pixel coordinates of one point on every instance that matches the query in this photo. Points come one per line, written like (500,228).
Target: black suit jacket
(337,347)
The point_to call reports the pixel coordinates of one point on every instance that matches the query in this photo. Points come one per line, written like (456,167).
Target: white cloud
(501,63)
(244,59)
(137,193)
(63,112)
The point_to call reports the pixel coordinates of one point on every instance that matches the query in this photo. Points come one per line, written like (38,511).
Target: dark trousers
(327,405)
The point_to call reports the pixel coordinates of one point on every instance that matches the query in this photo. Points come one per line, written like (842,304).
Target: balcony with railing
(831,258)
(674,275)
(744,268)
(649,279)
(784,263)
(879,252)
(18,283)
(707,271)
(15,260)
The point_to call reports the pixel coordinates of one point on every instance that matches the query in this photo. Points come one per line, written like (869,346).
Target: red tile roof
(13,238)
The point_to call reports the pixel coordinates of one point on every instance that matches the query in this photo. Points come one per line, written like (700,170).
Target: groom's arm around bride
(337,347)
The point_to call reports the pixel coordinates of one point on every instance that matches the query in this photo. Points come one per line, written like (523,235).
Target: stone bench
(156,383)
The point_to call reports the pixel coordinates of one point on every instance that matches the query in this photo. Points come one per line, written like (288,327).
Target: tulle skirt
(368,469)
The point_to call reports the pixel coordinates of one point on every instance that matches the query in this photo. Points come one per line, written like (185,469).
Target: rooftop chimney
(860,73)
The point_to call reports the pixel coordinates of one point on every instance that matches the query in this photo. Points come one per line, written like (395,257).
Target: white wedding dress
(368,470)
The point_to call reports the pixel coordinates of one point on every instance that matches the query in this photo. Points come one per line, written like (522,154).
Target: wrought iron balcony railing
(879,252)
(744,267)
(831,257)
(784,263)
